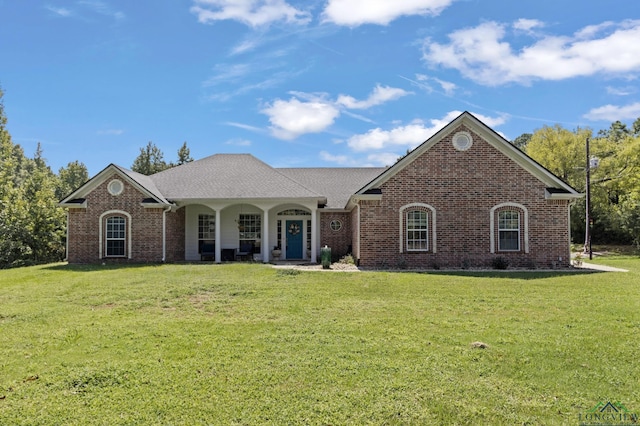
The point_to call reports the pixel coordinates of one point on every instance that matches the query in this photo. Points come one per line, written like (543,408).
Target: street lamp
(592,163)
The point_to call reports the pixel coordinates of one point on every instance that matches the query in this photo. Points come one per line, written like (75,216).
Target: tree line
(32,226)
(615,181)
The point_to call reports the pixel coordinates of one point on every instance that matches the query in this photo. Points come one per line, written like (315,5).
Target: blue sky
(306,83)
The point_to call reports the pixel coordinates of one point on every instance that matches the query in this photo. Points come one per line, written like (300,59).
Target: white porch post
(265,236)
(314,234)
(218,239)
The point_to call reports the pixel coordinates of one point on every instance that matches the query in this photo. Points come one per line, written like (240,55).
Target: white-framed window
(508,230)
(206,232)
(335,225)
(250,230)
(417,225)
(116,236)
(417,228)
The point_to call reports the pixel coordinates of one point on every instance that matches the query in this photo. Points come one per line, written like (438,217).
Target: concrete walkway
(604,268)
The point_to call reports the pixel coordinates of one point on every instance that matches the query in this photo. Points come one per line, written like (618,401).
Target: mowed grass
(248,344)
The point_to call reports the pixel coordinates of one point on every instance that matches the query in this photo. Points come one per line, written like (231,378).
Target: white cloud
(482,55)
(102,8)
(244,126)
(621,91)
(115,132)
(254,13)
(293,118)
(614,112)
(338,159)
(238,142)
(352,13)
(383,158)
(315,112)
(380,95)
(410,135)
(527,25)
(60,11)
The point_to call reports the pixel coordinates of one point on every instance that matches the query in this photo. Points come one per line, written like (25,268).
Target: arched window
(510,228)
(115,236)
(417,228)
(417,223)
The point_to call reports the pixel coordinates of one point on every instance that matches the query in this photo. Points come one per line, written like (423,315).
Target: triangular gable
(139,181)
(556,187)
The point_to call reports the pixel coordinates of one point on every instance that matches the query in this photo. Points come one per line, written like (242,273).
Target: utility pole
(587,224)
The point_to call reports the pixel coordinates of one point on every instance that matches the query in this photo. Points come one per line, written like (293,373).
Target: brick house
(462,198)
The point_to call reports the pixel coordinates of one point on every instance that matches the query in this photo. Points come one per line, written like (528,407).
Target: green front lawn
(248,344)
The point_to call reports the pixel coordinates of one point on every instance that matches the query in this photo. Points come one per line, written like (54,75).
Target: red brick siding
(339,241)
(146,227)
(463,187)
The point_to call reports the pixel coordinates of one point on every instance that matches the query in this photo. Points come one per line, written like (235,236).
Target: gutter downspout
(66,249)
(164,233)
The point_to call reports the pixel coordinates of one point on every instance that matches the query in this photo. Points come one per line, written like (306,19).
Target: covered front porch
(259,230)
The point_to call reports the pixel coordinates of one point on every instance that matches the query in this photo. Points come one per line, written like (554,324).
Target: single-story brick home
(464,197)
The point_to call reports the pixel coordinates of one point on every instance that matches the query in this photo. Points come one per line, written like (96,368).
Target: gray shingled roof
(337,184)
(144,181)
(229,176)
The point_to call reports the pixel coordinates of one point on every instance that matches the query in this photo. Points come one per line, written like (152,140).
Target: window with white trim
(206,231)
(250,230)
(508,230)
(417,227)
(116,236)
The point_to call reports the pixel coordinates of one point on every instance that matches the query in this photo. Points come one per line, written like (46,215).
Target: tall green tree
(71,178)
(150,160)
(184,155)
(13,208)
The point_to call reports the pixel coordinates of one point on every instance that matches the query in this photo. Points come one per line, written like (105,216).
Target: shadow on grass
(95,267)
(522,275)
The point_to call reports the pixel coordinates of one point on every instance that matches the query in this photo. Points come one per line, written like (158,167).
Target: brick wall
(146,227)
(340,241)
(463,187)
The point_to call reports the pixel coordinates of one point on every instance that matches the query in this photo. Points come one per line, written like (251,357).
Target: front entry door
(294,239)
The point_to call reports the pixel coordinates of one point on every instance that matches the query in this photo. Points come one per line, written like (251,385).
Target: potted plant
(276,252)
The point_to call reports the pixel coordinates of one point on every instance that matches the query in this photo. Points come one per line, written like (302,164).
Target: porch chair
(245,252)
(208,250)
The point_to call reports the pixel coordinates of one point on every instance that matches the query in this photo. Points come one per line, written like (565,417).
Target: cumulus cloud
(293,118)
(482,54)
(313,112)
(352,13)
(380,95)
(614,112)
(411,135)
(343,160)
(254,13)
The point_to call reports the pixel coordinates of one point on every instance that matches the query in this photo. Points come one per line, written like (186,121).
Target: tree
(522,141)
(71,178)
(184,155)
(150,160)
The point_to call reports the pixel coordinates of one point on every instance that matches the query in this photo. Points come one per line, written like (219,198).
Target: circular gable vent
(115,187)
(462,141)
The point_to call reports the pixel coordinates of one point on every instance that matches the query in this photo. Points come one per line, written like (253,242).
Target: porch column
(218,239)
(265,236)
(314,234)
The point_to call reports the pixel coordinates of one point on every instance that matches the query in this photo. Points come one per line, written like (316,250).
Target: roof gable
(141,182)
(492,138)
